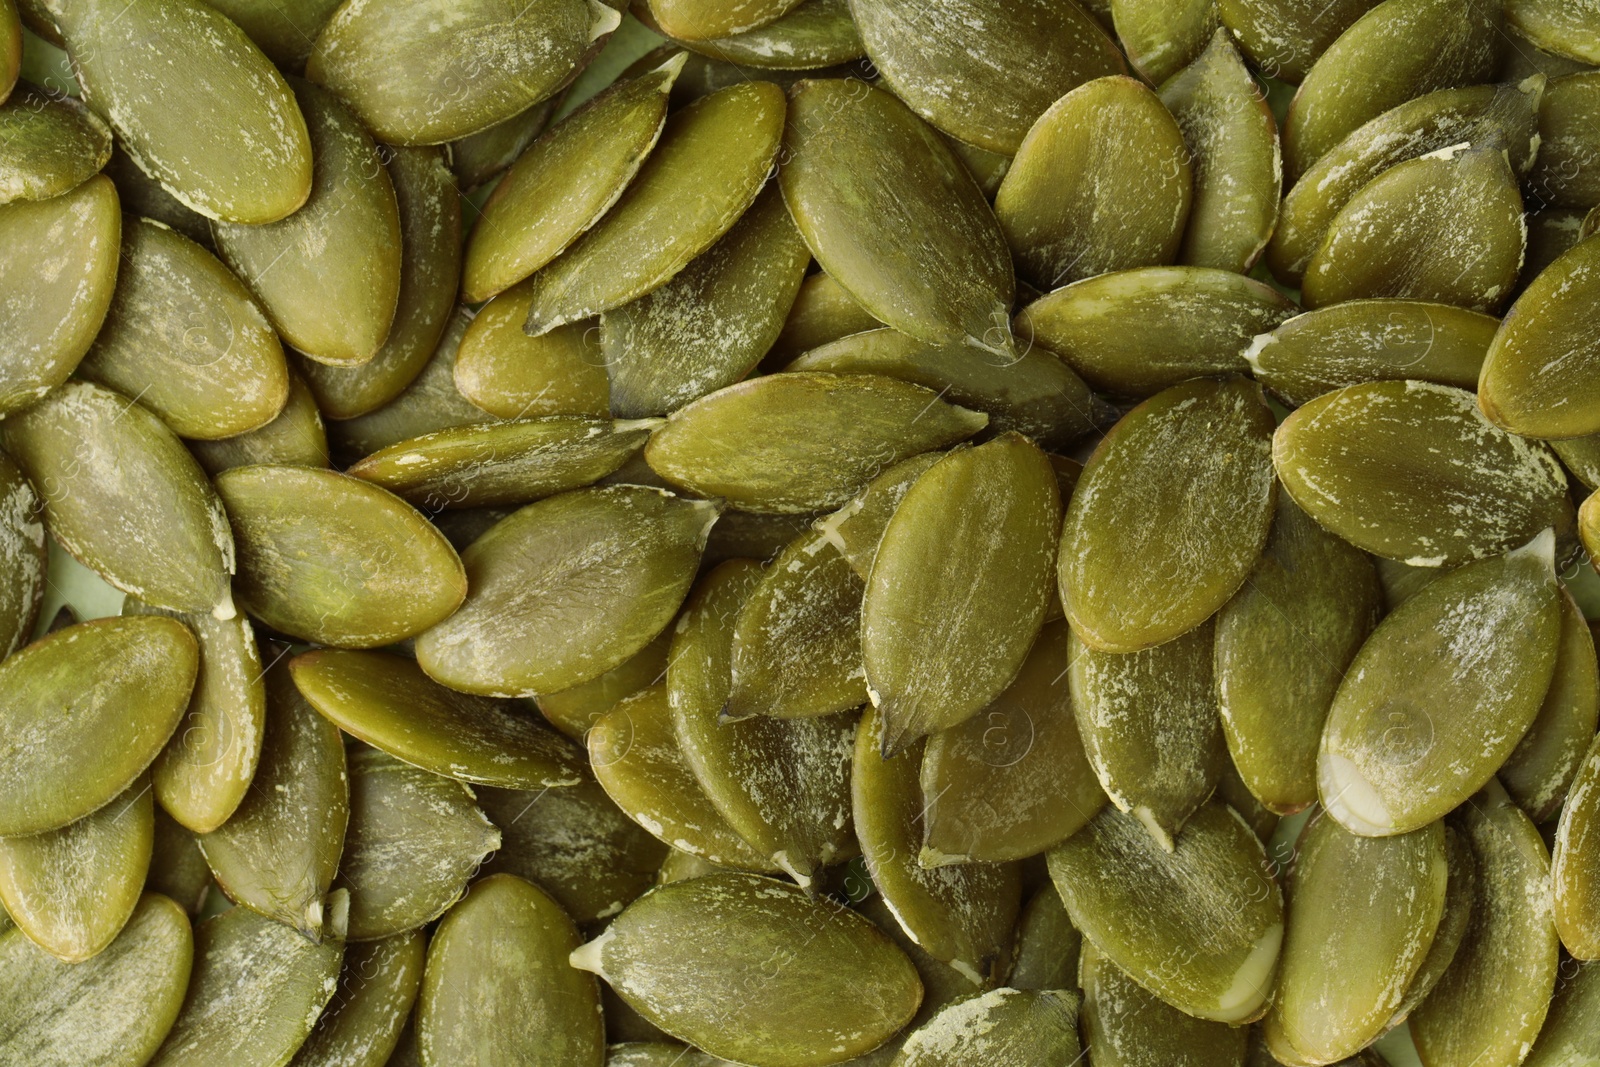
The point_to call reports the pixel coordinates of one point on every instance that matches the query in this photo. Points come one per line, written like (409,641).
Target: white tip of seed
(1542,549)
(1253,980)
(225,609)
(785,864)
(930,858)
(587,957)
(1350,798)
(605,19)
(1157,831)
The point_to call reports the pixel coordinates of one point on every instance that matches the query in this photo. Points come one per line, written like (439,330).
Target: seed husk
(390,704)
(177,867)
(1576,872)
(58,269)
(52,144)
(1563,173)
(104,695)
(813,34)
(1003,1027)
(894,217)
(1210,903)
(1541,768)
(114,1009)
(24,557)
(1560,28)
(297,437)
(703,20)
(1283,39)
(1125,1025)
(857,528)
(752,969)
(1047,944)
(378,984)
(574,710)
(505,372)
(823,312)
(285,31)
(1171,512)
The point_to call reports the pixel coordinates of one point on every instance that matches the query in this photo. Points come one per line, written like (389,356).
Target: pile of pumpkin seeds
(914,533)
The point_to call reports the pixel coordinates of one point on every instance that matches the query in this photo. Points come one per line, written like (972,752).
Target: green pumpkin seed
(746,534)
(710,325)
(960,914)
(296,437)
(177,866)
(750,968)
(285,31)
(942,984)
(361,1025)
(1569,1034)
(1283,644)
(1339,982)
(1012,780)
(58,269)
(1047,945)
(813,34)
(414,840)
(48,145)
(1399,50)
(1492,1001)
(390,704)
(405,68)
(1577,861)
(541,206)
(1101,183)
(1478,114)
(509,374)
(194,103)
(575,844)
(722,148)
(783,784)
(144,197)
(430,271)
(1163,36)
(255,994)
(1002,1028)
(985,88)
(113,1010)
(702,20)
(1426,713)
(279,851)
(894,217)
(1561,28)
(487,154)
(822,312)
(329,275)
(857,528)
(574,710)
(1564,174)
(1124,1025)
(1446,227)
(71,890)
(1171,324)
(104,695)
(1540,769)
(1171,513)
(959,586)
(1589,526)
(1461,889)
(24,557)
(1412,471)
(1210,904)
(1283,38)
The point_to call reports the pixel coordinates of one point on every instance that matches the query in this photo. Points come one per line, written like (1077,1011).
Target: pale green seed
(1284,37)
(574,710)
(482,156)
(177,867)
(1163,36)
(1563,173)
(1541,768)
(284,29)
(700,20)
(48,145)
(1461,889)
(297,437)
(1048,946)
(506,373)
(857,528)
(1566,29)
(1577,861)
(822,312)
(813,34)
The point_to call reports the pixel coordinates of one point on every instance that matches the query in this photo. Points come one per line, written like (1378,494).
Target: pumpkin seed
(361,1025)
(1047,944)
(278,852)
(1492,1001)
(721,148)
(1569,1033)
(144,197)
(104,695)
(1163,36)
(1589,526)
(1412,471)
(112,1010)
(24,557)
(1013,780)
(1124,1025)
(1102,182)
(822,312)
(58,269)
(1003,1027)
(1577,861)
(750,968)
(1283,644)
(177,866)
(284,31)
(329,275)
(574,710)
(812,34)
(1541,768)
(1170,515)
(195,104)
(49,145)
(406,69)
(942,984)
(255,993)
(1561,28)
(71,890)
(1461,888)
(894,217)
(390,704)
(1283,39)
(509,374)
(1563,174)
(487,154)
(700,20)
(857,528)
(1200,926)
(296,437)
(1172,324)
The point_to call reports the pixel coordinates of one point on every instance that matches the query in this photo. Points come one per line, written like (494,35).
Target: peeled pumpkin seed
(699,20)
(404,67)
(1169,516)
(1446,227)
(285,31)
(1000,1028)
(959,587)
(1013,780)
(113,1010)
(988,87)
(1441,693)
(1399,50)
(505,372)
(24,557)
(1564,174)
(378,984)
(1047,945)
(750,968)
(1124,1025)
(255,993)
(194,103)
(1491,1003)
(894,217)
(328,275)
(1210,904)
(1461,888)
(802,441)
(1163,36)
(296,437)
(71,890)
(1540,769)
(710,325)
(813,34)
(1565,29)
(711,161)
(1576,873)
(279,851)
(58,269)
(105,694)
(960,914)
(1569,1034)
(1102,182)
(48,144)
(822,312)
(414,841)
(177,866)
(857,528)
(1283,644)
(1283,38)
(574,710)
(390,704)
(1171,324)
